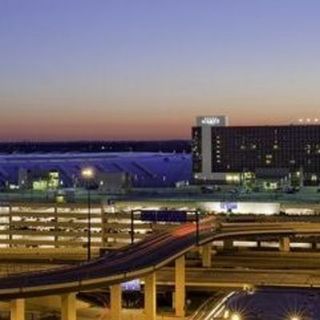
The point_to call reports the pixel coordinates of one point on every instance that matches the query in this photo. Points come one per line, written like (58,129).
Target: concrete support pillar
(284,244)
(56,227)
(104,220)
(115,301)
(150,297)
(259,244)
(180,286)
(17,309)
(227,244)
(207,255)
(68,307)
(314,245)
(10,226)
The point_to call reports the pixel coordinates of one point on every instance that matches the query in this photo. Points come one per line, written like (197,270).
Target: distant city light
(308,120)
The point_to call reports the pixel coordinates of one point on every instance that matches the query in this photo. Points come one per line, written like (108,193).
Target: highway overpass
(213,278)
(141,260)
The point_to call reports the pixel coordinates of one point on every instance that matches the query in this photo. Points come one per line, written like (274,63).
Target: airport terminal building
(113,172)
(274,156)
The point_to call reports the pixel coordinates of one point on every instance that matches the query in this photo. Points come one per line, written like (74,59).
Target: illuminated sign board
(163,216)
(133,285)
(229,206)
(212,121)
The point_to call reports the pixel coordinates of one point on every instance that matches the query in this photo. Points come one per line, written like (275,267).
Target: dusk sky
(144,69)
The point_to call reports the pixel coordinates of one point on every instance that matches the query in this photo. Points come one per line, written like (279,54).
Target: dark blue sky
(144,69)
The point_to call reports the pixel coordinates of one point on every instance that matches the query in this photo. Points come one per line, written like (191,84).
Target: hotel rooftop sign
(212,121)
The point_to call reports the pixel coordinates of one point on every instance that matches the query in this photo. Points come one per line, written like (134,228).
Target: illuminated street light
(236,316)
(295,318)
(88,175)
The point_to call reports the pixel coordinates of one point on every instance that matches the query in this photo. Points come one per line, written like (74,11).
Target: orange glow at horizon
(152,129)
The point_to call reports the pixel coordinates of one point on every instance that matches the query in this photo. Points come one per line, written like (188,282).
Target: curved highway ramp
(137,260)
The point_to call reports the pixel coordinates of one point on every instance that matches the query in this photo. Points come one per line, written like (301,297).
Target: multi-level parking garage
(65,227)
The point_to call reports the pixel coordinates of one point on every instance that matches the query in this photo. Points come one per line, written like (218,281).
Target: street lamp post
(88,175)
(132,227)
(89,226)
(197,228)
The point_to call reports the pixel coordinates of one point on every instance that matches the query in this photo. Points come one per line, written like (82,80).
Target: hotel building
(282,155)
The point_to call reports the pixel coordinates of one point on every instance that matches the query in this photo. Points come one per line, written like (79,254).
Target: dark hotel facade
(274,156)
